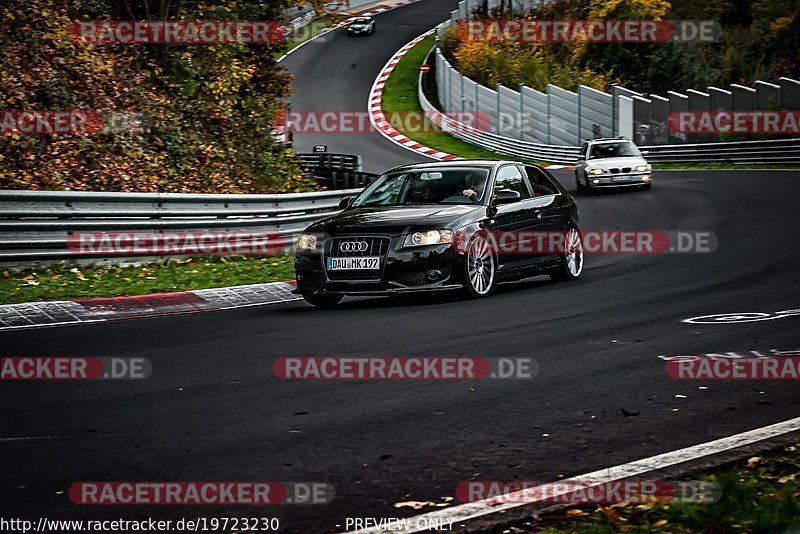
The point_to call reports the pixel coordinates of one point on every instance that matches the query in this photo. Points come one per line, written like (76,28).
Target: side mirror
(506,196)
(645,152)
(346,201)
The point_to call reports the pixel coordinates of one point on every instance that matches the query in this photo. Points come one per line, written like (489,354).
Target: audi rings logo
(353,246)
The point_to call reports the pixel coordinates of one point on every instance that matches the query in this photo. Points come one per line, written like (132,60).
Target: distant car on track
(606,163)
(430,226)
(361,26)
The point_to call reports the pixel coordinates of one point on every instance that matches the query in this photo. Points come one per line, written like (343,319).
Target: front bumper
(403,270)
(619,180)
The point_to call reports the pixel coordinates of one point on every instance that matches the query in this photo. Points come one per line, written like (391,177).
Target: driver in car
(428,194)
(474,187)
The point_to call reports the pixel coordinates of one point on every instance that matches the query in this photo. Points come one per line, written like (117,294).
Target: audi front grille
(354,247)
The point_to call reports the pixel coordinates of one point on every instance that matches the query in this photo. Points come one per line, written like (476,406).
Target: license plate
(365,262)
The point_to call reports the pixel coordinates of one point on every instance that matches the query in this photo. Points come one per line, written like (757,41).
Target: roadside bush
(208,109)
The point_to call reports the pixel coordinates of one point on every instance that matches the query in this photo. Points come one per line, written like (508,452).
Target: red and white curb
(83,311)
(378,118)
(345,22)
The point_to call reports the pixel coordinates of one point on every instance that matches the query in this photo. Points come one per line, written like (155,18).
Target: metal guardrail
(326,160)
(752,152)
(785,151)
(35,225)
(337,171)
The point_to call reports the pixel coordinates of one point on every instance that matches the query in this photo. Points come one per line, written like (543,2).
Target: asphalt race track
(336,72)
(213,410)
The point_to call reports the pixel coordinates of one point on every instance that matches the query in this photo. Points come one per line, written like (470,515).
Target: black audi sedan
(441,226)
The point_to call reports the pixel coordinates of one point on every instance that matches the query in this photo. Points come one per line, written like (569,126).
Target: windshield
(623,149)
(361,21)
(461,185)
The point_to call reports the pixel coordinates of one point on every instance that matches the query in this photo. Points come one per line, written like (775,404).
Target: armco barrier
(327,160)
(35,225)
(336,171)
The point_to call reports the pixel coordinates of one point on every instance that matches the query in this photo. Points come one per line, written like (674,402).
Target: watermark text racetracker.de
(411,121)
(72,122)
(593,241)
(225,525)
(143,243)
(592,31)
(403,368)
(200,493)
(735,122)
(753,368)
(587,491)
(178,32)
(74,368)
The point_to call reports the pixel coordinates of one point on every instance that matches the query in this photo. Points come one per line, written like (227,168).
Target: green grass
(63,282)
(760,495)
(400,94)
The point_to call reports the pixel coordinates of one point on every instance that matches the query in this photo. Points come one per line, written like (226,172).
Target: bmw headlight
(306,242)
(431,237)
(596,171)
(643,168)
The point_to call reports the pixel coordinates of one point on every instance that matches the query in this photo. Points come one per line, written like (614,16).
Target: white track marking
(28,438)
(463,512)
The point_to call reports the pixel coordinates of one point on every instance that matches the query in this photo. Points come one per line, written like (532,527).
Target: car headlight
(431,237)
(643,168)
(306,242)
(597,171)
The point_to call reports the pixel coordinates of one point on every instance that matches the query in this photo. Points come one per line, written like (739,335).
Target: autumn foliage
(759,40)
(208,108)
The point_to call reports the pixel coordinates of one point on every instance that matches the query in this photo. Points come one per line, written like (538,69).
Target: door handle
(538,214)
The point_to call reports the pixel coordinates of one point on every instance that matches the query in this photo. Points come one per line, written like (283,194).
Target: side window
(582,153)
(509,177)
(540,182)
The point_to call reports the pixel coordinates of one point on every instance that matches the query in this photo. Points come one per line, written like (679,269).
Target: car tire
(571,260)
(578,185)
(480,268)
(323,301)
(647,187)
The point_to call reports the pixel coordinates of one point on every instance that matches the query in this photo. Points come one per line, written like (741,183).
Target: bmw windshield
(623,149)
(464,185)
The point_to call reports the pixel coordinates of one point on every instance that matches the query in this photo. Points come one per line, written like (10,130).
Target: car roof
(607,140)
(456,163)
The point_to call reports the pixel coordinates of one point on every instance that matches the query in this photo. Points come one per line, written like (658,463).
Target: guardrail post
(547,94)
(521,112)
(578,140)
(790,94)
